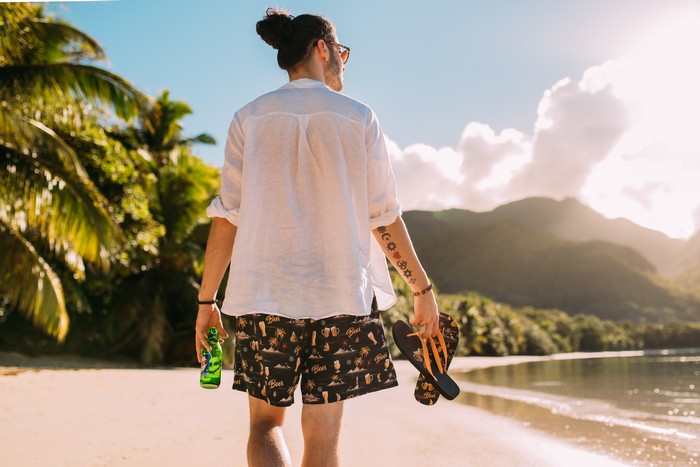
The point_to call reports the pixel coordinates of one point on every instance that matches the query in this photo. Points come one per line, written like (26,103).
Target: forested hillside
(509,260)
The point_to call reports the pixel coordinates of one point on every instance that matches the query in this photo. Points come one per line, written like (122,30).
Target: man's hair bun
(293,36)
(276,27)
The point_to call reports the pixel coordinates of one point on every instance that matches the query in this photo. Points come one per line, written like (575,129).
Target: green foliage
(676,334)
(152,309)
(37,291)
(490,328)
(688,267)
(45,58)
(52,215)
(86,196)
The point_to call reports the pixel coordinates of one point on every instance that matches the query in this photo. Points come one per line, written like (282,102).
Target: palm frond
(77,81)
(185,189)
(162,130)
(175,110)
(29,284)
(41,194)
(26,133)
(73,43)
(16,41)
(203,138)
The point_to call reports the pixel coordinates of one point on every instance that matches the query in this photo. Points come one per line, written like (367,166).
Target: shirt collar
(304,83)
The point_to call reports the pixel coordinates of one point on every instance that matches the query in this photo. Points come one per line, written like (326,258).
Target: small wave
(677,359)
(689,419)
(548,384)
(641,426)
(666,393)
(585,409)
(693,400)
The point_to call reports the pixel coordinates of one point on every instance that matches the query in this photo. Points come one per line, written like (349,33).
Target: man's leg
(321,426)
(266,446)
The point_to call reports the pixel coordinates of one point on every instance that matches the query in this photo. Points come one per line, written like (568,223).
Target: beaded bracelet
(424,291)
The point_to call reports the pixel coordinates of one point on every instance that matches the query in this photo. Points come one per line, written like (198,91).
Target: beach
(128,416)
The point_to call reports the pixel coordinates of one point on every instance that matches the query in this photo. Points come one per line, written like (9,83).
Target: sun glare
(652,175)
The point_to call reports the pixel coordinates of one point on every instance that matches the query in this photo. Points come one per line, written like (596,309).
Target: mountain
(570,219)
(531,253)
(688,264)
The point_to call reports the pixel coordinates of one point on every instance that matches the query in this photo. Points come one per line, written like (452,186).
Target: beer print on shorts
(338,358)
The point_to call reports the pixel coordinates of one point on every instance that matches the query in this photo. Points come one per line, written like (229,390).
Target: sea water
(643,409)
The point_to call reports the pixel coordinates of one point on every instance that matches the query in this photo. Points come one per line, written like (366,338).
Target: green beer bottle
(210,375)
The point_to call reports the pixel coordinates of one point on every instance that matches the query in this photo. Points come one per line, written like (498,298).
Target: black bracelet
(207,302)
(424,291)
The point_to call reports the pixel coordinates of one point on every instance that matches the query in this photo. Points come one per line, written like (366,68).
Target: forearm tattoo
(401,264)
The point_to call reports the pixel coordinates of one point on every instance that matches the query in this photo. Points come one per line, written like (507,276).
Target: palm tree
(156,302)
(159,136)
(51,211)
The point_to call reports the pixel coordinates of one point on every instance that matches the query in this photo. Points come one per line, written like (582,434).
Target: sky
(482,102)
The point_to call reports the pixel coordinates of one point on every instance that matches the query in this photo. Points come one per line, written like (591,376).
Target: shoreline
(622,433)
(467,364)
(21,362)
(127,416)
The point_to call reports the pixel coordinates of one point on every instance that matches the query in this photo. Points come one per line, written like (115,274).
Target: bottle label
(206,360)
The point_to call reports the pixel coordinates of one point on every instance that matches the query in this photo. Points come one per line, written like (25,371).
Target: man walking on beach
(306,183)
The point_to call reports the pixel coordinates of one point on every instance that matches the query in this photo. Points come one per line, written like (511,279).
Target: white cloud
(624,139)
(428,178)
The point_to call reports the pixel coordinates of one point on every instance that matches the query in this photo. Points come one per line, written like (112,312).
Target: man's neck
(315,74)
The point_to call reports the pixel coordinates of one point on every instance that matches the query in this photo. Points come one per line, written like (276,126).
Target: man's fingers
(201,343)
(206,344)
(222,331)
(432,328)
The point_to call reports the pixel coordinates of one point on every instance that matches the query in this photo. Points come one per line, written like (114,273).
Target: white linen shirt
(306,178)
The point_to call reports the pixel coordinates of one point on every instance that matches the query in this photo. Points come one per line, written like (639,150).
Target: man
(306,184)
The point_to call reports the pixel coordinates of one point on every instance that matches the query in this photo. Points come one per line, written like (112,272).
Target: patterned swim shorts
(338,358)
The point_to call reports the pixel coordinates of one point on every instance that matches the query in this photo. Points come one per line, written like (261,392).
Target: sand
(117,417)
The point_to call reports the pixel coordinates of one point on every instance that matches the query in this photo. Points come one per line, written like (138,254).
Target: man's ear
(323,50)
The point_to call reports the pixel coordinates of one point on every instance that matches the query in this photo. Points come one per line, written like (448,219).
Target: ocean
(643,410)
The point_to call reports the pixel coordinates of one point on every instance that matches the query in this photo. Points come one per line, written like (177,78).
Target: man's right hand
(217,257)
(207,316)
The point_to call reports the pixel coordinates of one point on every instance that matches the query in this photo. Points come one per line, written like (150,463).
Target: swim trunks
(337,358)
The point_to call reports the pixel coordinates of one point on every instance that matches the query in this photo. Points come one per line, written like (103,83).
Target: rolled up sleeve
(384,206)
(228,203)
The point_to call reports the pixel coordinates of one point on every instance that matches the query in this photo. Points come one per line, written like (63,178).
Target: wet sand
(90,417)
